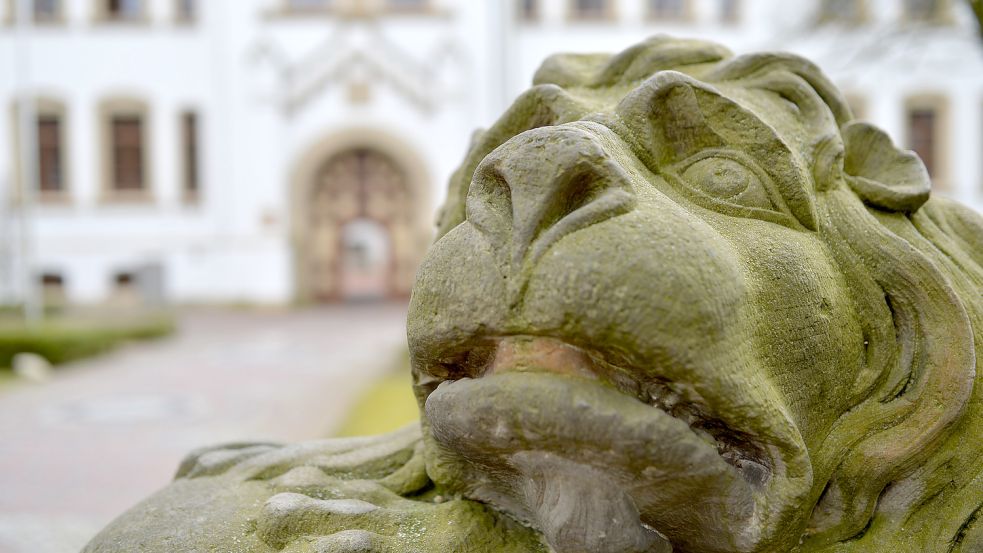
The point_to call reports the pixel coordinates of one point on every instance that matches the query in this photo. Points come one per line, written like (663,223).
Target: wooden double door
(360,215)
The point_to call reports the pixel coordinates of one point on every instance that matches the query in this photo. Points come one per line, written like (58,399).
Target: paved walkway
(104,433)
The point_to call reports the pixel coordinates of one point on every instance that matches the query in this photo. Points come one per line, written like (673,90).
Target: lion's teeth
(671,399)
(663,397)
(707,437)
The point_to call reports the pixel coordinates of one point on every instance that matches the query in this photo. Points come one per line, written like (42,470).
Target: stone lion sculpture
(680,301)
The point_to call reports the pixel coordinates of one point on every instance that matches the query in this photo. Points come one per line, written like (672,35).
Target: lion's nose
(543,185)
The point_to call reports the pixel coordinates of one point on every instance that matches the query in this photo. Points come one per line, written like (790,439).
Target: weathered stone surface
(680,301)
(352,495)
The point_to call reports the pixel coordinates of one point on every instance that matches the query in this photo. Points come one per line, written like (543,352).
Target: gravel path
(104,433)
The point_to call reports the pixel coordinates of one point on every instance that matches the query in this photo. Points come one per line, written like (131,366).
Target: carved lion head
(684,300)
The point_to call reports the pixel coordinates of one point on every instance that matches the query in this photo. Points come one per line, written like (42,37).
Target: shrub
(61,342)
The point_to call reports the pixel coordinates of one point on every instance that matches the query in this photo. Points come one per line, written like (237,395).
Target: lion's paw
(360,516)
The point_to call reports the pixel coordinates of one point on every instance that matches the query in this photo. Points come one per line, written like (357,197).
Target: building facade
(269,151)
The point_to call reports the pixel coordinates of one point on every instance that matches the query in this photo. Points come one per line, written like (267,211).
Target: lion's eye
(728,180)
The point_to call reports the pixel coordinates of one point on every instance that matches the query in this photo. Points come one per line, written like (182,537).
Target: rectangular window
(528,10)
(667,9)
(407,5)
(127,150)
(50,176)
(307,5)
(921,10)
(124,280)
(189,149)
(125,289)
(729,10)
(52,289)
(47,10)
(52,279)
(848,11)
(124,9)
(927,132)
(923,136)
(590,9)
(187,10)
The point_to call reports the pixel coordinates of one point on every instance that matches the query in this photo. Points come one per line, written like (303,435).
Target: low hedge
(61,342)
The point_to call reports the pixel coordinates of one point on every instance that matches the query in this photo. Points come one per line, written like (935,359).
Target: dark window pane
(49,153)
(124,9)
(667,9)
(52,279)
(407,4)
(187,9)
(528,9)
(127,136)
(922,136)
(920,9)
(590,9)
(46,9)
(729,10)
(189,132)
(308,4)
(841,10)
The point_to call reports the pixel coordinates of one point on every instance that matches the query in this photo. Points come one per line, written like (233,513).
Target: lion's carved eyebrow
(672,117)
(785,70)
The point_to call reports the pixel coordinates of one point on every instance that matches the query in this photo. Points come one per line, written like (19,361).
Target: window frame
(287,8)
(44,106)
(53,287)
(104,14)
(424,6)
(10,16)
(57,145)
(109,110)
(735,17)
(939,103)
(575,16)
(50,107)
(191,158)
(182,18)
(57,18)
(862,15)
(941,13)
(686,15)
(525,17)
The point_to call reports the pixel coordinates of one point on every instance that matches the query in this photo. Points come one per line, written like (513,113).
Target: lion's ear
(880,173)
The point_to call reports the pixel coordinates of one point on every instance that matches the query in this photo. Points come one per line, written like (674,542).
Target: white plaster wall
(234,244)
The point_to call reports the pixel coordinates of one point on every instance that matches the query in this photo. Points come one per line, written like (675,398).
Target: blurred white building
(274,150)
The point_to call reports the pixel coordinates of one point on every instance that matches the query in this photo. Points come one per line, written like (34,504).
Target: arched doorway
(359,216)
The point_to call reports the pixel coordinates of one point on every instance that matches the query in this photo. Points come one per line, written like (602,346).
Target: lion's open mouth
(538,354)
(556,435)
(560,451)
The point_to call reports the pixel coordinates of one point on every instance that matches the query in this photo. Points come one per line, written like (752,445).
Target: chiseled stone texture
(679,301)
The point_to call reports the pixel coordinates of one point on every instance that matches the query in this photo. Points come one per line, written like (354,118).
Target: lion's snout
(545,184)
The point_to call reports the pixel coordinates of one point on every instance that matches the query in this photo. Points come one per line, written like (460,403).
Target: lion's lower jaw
(630,478)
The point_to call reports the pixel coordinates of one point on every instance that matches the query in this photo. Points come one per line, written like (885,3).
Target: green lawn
(386,406)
